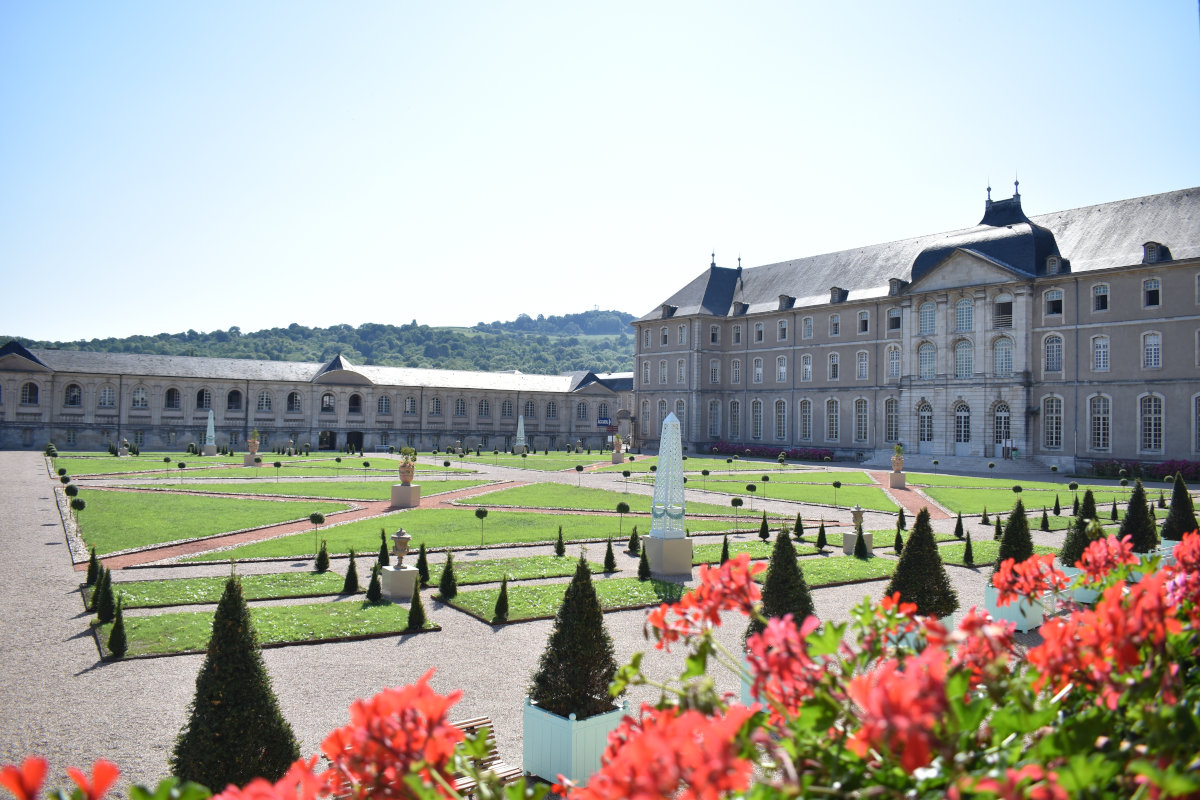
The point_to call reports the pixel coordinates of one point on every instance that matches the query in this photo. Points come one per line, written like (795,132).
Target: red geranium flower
(25,782)
(104,775)
(900,706)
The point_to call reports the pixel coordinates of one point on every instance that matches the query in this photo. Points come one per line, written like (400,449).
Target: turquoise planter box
(1080,594)
(1025,615)
(554,745)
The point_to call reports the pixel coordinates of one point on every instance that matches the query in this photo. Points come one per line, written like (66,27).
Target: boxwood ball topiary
(920,577)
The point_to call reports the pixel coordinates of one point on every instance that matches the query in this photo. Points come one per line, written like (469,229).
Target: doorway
(327,440)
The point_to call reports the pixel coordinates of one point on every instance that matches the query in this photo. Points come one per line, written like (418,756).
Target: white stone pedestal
(618,458)
(399,583)
(406,496)
(248,460)
(208,450)
(849,538)
(896,480)
(669,556)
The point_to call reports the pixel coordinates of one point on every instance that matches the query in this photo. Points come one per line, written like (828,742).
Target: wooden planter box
(554,745)
(1080,594)
(1025,615)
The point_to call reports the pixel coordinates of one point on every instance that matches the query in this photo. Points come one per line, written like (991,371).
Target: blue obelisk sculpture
(668,549)
(210,436)
(519,442)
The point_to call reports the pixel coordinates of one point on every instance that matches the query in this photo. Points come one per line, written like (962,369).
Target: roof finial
(714,258)
(739,262)
(989,190)
(1016,187)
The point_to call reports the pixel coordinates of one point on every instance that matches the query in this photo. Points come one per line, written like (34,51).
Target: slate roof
(1090,238)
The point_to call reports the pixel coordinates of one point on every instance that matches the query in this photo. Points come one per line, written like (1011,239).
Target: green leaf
(170,789)
(1084,772)
(697,661)
(1009,720)
(826,639)
(627,675)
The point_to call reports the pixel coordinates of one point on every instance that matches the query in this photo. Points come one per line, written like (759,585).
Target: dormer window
(837,294)
(668,310)
(740,308)
(1151,252)
(1053,265)
(786,301)
(895,286)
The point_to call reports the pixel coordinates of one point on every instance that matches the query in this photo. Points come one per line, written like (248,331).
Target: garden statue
(668,549)
(519,442)
(404,494)
(617,456)
(399,579)
(210,436)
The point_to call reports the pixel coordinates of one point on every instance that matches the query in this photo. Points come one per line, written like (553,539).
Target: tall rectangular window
(861,365)
(1151,293)
(714,371)
(714,334)
(680,373)
(860,420)
(1151,423)
(758,371)
(893,357)
(662,372)
(735,419)
(1054,302)
(864,322)
(806,420)
(781,369)
(1151,351)
(891,420)
(806,328)
(835,324)
(780,419)
(893,319)
(756,420)
(1100,412)
(1100,354)
(928,318)
(964,316)
(714,419)
(1052,422)
(834,367)
(805,368)
(781,331)
(758,331)
(735,371)
(1100,297)
(831,420)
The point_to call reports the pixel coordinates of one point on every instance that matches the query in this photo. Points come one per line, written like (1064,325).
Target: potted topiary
(569,711)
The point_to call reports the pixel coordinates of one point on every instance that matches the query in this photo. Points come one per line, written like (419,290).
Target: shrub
(93,570)
(999,531)
(423,566)
(958,527)
(860,543)
(1138,524)
(322,564)
(1057,506)
(920,577)
(784,589)
(578,663)
(969,552)
(63,470)
(1181,518)
(64,479)
(385,559)
(898,542)
(448,583)
(500,612)
(901,521)
(118,643)
(104,602)
(560,547)
(1113,515)
(644,567)
(350,585)
(760,451)
(764,532)
(1077,538)
(635,544)
(1016,543)
(799,532)
(416,613)
(724,548)
(1045,526)
(78,504)
(610,559)
(984,519)
(71,490)
(822,542)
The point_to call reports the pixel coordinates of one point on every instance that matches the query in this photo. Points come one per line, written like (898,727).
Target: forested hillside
(596,340)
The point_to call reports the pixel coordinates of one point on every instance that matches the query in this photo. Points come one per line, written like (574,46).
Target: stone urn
(407,470)
(400,542)
(252,444)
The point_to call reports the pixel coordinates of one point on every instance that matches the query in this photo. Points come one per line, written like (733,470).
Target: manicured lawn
(984,552)
(966,482)
(974,501)
(189,631)
(888,538)
(182,591)
(350,490)
(869,497)
(696,463)
(711,553)
(559,495)
(546,463)
(493,570)
(448,528)
(821,476)
(326,469)
(115,521)
(527,602)
(824,570)
(105,464)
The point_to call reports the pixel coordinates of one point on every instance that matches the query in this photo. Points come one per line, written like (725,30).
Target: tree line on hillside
(535,351)
(587,323)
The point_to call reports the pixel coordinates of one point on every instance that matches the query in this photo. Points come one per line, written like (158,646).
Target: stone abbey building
(84,401)
(1066,337)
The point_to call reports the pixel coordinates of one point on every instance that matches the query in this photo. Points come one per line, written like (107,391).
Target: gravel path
(60,701)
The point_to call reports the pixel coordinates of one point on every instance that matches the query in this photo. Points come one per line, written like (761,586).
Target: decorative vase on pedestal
(407,470)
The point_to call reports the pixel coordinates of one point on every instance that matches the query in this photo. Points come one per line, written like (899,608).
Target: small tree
(93,570)
(1113,515)
(999,531)
(860,543)
(375,587)
(448,583)
(736,502)
(481,514)
(704,478)
(836,485)
(1016,542)
(724,548)
(1138,523)
(822,542)
(1181,517)
(277,465)
(560,547)
(579,474)
(958,527)
(751,489)
(764,532)
(635,544)
(500,612)
(350,585)
(920,577)
(765,480)
(416,613)
(610,558)
(898,544)
(106,604)
(322,564)
(984,519)
(182,466)
(901,520)
(1057,506)
(316,518)
(1162,500)
(385,559)
(578,663)
(78,504)
(622,510)
(644,567)
(784,589)
(118,643)
(969,552)
(234,731)
(1045,526)
(625,474)
(799,532)
(423,566)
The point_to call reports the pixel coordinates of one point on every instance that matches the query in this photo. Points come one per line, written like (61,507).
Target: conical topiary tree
(93,570)
(1057,506)
(799,532)
(423,566)
(1138,523)
(1113,515)
(234,731)
(920,577)
(644,567)
(385,560)
(1016,543)
(764,532)
(898,542)
(1077,538)
(999,530)
(375,587)
(958,527)
(322,563)
(635,544)
(984,519)
(822,541)
(610,558)
(969,552)
(724,548)
(416,613)
(350,585)
(560,547)
(118,644)
(106,604)
(1075,508)
(448,583)
(901,521)
(1045,526)
(500,612)
(784,589)
(1087,509)
(1181,517)
(860,543)
(579,662)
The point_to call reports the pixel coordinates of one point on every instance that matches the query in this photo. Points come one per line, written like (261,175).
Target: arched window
(383,405)
(73,396)
(860,420)
(530,409)
(328,403)
(264,401)
(806,420)
(108,397)
(832,420)
(602,411)
(204,399)
(714,371)
(294,403)
(928,319)
(233,400)
(714,419)
(645,414)
(355,404)
(551,410)
(581,411)
(862,365)
(410,405)
(679,406)
(435,407)
(1100,354)
(924,423)
(926,361)
(962,423)
(805,368)
(891,420)
(1054,352)
(757,371)
(1150,423)
(173,399)
(893,362)
(964,359)
(1054,302)
(1002,357)
(506,409)
(735,371)
(662,371)
(460,407)
(1151,350)
(484,409)
(680,373)
(662,414)
(964,315)
(780,419)
(1100,423)
(1052,422)
(645,372)
(1001,423)
(781,369)
(834,366)
(756,421)
(29,394)
(735,419)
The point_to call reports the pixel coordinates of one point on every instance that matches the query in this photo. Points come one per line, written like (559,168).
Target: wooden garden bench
(507,773)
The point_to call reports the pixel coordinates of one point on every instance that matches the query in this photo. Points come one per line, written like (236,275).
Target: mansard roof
(1090,238)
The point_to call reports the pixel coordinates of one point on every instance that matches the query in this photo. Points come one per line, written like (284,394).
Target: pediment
(964,267)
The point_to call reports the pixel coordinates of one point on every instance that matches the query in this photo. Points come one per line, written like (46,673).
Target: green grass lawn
(105,464)
(553,462)
(493,570)
(190,631)
(115,521)
(795,476)
(449,528)
(974,501)
(183,591)
(968,482)
(559,495)
(329,469)
(528,602)
(711,553)
(869,497)
(694,464)
(350,490)
(984,552)
(825,570)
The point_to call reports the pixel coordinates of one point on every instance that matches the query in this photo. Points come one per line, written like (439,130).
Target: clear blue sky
(176,165)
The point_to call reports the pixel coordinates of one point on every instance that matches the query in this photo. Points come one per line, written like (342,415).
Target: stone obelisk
(668,549)
(210,436)
(519,442)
